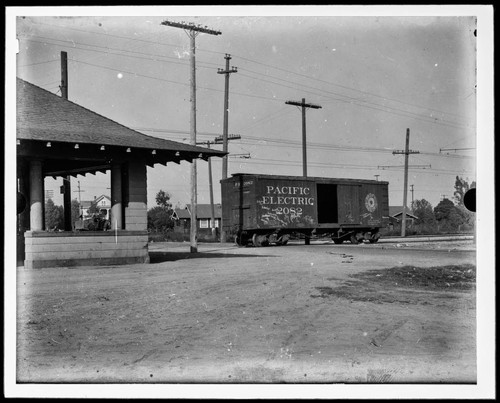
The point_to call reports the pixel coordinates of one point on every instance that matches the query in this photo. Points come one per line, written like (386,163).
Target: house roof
(393,210)
(202,211)
(88,203)
(44,116)
(396,211)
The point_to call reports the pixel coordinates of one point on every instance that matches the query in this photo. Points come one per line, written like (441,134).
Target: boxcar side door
(348,204)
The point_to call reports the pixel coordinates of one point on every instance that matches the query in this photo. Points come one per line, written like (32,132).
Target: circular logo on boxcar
(371,202)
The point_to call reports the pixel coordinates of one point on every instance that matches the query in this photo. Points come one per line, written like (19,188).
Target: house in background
(396,217)
(204,219)
(103,203)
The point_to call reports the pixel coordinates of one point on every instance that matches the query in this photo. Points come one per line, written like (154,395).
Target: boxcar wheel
(260,240)
(283,240)
(238,240)
(372,240)
(337,241)
(354,240)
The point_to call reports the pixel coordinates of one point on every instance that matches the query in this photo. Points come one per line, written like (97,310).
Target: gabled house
(396,215)
(396,218)
(102,203)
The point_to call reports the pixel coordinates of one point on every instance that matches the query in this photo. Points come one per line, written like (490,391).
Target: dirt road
(297,314)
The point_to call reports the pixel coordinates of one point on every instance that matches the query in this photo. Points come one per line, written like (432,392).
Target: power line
(342,86)
(255,62)
(175,82)
(295,144)
(349,100)
(37,63)
(107,50)
(366,104)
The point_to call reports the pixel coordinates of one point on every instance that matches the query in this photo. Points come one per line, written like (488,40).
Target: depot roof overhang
(74,140)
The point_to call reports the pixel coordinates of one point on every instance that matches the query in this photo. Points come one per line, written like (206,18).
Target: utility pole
(304,151)
(192,31)
(226,72)
(217,140)
(224,140)
(68,225)
(411,198)
(406,152)
(210,185)
(80,197)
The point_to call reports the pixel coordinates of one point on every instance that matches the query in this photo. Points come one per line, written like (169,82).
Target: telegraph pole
(406,152)
(304,151)
(226,72)
(80,197)
(192,31)
(218,140)
(411,197)
(68,225)
(211,188)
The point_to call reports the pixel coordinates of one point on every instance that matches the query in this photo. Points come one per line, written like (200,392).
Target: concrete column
(36,196)
(116,196)
(24,189)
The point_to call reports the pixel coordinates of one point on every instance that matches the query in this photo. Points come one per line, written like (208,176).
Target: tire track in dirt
(382,335)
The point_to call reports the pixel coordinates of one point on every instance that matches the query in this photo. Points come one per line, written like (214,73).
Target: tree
(451,217)
(160,217)
(422,209)
(54,216)
(467,218)
(461,187)
(442,210)
(163,199)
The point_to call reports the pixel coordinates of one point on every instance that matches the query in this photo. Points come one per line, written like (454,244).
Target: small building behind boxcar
(263,209)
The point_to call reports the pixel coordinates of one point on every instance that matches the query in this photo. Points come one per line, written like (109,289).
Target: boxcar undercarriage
(281,237)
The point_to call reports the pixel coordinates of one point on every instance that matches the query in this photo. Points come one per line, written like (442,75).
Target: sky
(374,76)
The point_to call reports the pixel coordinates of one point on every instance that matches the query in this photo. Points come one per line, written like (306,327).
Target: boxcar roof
(308,178)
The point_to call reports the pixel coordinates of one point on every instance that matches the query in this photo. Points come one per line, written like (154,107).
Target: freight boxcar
(264,209)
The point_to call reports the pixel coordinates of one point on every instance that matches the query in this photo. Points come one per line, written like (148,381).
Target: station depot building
(58,138)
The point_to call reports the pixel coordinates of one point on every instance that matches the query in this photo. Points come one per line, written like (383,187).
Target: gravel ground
(317,314)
